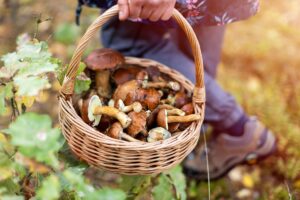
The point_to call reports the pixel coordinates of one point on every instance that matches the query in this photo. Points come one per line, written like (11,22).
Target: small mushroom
(188,109)
(122,90)
(153,115)
(142,76)
(154,73)
(95,111)
(149,98)
(116,131)
(172,127)
(102,61)
(162,84)
(158,134)
(123,75)
(138,124)
(178,100)
(135,106)
(163,119)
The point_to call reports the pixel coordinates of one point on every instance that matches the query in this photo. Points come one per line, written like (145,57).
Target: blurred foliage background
(260,66)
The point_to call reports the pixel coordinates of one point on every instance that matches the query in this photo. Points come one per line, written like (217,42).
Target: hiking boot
(225,151)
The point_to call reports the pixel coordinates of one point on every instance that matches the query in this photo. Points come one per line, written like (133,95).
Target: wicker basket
(132,158)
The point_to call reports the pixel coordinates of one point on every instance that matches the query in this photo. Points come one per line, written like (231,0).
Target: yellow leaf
(2,138)
(5,173)
(27,101)
(297,184)
(42,97)
(248,181)
(56,86)
(31,164)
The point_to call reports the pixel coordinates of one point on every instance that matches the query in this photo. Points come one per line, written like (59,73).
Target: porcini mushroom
(172,127)
(135,106)
(153,115)
(95,110)
(123,74)
(162,84)
(163,119)
(116,131)
(158,134)
(149,98)
(138,123)
(122,90)
(142,76)
(177,100)
(188,109)
(154,73)
(102,61)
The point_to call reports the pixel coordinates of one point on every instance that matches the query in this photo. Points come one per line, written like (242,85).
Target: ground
(260,67)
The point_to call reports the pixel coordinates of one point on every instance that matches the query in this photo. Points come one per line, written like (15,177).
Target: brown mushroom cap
(138,123)
(149,98)
(123,74)
(101,59)
(122,90)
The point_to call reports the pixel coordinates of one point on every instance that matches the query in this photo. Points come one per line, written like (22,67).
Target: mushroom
(153,115)
(94,111)
(154,73)
(102,61)
(138,124)
(142,76)
(116,131)
(162,84)
(163,119)
(122,90)
(178,100)
(123,75)
(158,134)
(188,109)
(149,98)
(172,127)
(135,106)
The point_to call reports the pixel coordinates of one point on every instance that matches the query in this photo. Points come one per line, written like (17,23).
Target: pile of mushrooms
(133,103)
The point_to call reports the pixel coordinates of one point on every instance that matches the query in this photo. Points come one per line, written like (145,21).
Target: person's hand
(153,10)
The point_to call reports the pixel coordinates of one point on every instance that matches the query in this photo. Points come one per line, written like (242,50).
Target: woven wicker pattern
(124,157)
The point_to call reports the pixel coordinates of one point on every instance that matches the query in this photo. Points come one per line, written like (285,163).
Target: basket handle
(69,80)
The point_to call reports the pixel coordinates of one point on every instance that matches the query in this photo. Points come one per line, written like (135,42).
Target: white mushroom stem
(128,137)
(102,83)
(113,112)
(183,119)
(135,106)
(172,85)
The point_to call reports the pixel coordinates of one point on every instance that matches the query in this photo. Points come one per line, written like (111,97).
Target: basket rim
(94,135)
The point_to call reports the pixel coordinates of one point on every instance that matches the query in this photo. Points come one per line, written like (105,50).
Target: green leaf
(82,83)
(107,194)
(50,189)
(163,190)
(12,197)
(67,33)
(5,93)
(31,86)
(9,186)
(135,184)
(11,65)
(179,181)
(77,183)
(35,137)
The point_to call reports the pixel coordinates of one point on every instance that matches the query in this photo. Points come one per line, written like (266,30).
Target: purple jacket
(198,12)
